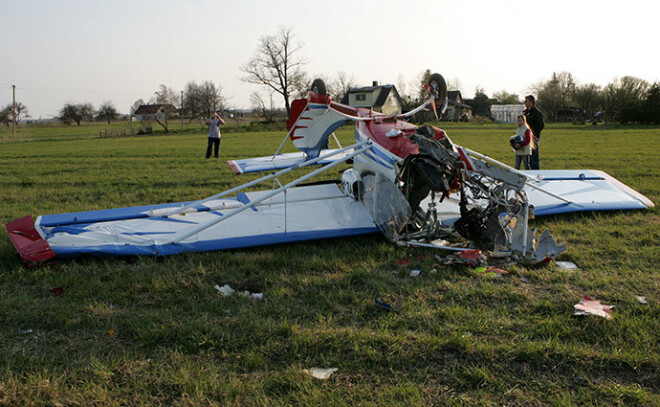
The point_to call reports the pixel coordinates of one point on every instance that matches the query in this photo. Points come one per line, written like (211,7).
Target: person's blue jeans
(522,159)
(534,160)
(214,143)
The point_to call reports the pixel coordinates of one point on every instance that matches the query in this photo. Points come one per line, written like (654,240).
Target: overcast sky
(91,51)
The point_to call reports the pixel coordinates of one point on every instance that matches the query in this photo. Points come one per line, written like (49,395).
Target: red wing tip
(28,242)
(235,167)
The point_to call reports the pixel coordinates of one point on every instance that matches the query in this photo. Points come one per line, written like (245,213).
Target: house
(506,113)
(457,110)
(384,99)
(155,111)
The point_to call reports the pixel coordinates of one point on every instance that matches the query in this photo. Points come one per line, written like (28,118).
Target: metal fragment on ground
(589,306)
(320,373)
(566,265)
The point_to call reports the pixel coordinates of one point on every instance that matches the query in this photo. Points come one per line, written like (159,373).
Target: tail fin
(311,122)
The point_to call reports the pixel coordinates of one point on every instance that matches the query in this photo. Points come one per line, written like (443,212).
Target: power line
(52,89)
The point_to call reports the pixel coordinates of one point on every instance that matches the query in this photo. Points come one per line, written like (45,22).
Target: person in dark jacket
(534,120)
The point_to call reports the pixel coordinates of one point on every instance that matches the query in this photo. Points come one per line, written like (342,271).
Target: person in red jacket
(522,143)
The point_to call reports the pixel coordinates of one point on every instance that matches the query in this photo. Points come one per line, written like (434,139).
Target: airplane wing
(281,161)
(302,213)
(563,191)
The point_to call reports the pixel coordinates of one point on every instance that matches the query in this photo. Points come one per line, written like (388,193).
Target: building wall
(369,100)
(506,113)
(391,107)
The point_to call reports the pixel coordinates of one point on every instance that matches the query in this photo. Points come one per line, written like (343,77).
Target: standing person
(522,143)
(534,120)
(214,134)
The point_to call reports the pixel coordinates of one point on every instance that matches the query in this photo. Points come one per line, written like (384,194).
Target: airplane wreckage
(410,182)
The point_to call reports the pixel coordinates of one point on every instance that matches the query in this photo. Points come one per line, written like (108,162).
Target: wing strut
(181,210)
(184,234)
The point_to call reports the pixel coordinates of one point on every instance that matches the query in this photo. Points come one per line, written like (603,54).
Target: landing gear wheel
(438,86)
(318,86)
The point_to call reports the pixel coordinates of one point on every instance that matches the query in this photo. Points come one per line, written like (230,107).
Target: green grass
(460,339)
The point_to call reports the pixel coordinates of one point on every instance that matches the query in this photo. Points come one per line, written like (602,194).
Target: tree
(624,99)
(260,109)
(342,84)
(6,115)
(555,93)
(481,102)
(76,113)
(423,79)
(107,111)
(505,98)
(651,105)
(136,105)
(590,98)
(276,65)
(200,100)
(165,96)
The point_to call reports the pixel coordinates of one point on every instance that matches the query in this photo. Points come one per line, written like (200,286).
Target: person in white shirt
(214,134)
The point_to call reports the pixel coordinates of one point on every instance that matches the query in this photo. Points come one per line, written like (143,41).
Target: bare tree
(165,95)
(276,65)
(342,84)
(260,108)
(76,113)
(136,105)
(107,111)
(200,100)
(21,113)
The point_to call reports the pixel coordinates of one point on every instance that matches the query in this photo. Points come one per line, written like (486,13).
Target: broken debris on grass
(474,258)
(491,271)
(589,306)
(395,304)
(227,291)
(566,265)
(320,373)
(641,299)
(57,291)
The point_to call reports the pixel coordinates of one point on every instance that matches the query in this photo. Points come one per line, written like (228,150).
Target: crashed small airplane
(410,182)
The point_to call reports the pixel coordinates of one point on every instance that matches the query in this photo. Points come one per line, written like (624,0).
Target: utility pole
(13,110)
(181,113)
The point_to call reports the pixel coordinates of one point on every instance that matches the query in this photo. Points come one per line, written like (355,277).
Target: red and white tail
(311,122)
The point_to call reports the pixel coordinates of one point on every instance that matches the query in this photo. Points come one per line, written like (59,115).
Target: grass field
(153,331)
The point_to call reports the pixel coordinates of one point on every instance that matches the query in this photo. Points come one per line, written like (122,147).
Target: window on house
(360,97)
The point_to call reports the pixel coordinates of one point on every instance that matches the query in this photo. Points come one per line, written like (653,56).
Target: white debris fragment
(415,272)
(225,290)
(566,265)
(320,373)
(641,299)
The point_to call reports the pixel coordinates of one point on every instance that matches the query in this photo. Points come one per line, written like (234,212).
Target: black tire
(318,86)
(438,84)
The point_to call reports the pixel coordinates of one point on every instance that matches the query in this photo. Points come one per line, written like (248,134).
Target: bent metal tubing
(262,179)
(186,234)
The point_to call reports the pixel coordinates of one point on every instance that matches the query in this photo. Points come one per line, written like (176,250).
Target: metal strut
(190,232)
(257,181)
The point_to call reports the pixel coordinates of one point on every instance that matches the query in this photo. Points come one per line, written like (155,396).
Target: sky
(73,51)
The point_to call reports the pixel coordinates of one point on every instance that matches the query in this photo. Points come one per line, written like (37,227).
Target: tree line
(278,67)
(625,100)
